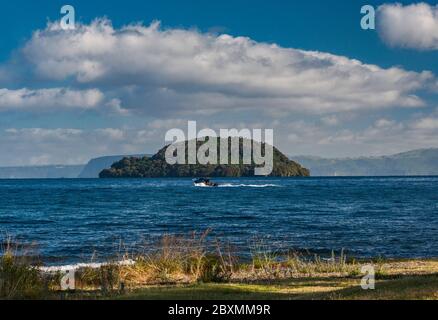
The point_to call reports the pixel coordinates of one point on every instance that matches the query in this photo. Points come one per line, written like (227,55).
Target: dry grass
(176,259)
(195,267)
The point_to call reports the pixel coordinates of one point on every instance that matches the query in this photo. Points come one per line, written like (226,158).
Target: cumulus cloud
(175,70)
(428,123)
(413,26)
(49,98)
(168,76)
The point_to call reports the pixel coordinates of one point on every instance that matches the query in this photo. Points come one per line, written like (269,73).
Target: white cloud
(428,123)
(40,160)
(174,75)
(382,123)
(413,26)
(42,134)
(112,133)
(330,120)
(115,105)
(175,70)
(49,98)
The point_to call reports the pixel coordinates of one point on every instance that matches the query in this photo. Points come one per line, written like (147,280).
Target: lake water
(70,220)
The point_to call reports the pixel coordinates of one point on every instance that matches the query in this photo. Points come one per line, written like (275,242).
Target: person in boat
(206,182)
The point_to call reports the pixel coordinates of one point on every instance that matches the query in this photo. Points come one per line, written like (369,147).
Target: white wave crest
(93,265)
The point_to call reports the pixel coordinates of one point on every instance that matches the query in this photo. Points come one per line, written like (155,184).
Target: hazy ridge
(412,163)
(420,162)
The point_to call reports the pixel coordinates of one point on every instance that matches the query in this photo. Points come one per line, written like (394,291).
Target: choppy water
(72,219)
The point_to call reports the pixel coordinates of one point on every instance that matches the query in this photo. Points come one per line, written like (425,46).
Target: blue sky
(331,26)
(116,109)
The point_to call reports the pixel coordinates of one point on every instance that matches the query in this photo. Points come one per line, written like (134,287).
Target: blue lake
(70,220)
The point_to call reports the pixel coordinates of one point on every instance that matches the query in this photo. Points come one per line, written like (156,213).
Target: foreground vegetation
(192,268)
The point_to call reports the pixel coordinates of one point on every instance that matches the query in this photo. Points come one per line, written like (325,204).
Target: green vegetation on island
(156,166)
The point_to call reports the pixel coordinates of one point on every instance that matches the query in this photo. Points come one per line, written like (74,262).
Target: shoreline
(128,262)
(191,268)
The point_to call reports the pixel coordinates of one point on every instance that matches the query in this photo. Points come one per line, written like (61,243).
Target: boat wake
(231,185)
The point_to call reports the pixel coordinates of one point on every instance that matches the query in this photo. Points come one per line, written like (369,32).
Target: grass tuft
(18,278)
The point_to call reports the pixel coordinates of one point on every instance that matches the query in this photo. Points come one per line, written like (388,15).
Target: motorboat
(203,182)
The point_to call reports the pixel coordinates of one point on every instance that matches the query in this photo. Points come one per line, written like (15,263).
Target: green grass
(19,279)
(404,288)
(422,287)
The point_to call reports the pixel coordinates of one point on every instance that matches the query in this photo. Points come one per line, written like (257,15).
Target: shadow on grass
(409,287)
(394,288)
(306,288)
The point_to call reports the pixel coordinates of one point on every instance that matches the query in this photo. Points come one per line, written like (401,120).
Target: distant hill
(41,172)
(156,166)
(417,162)
(95,166)
(412,163)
